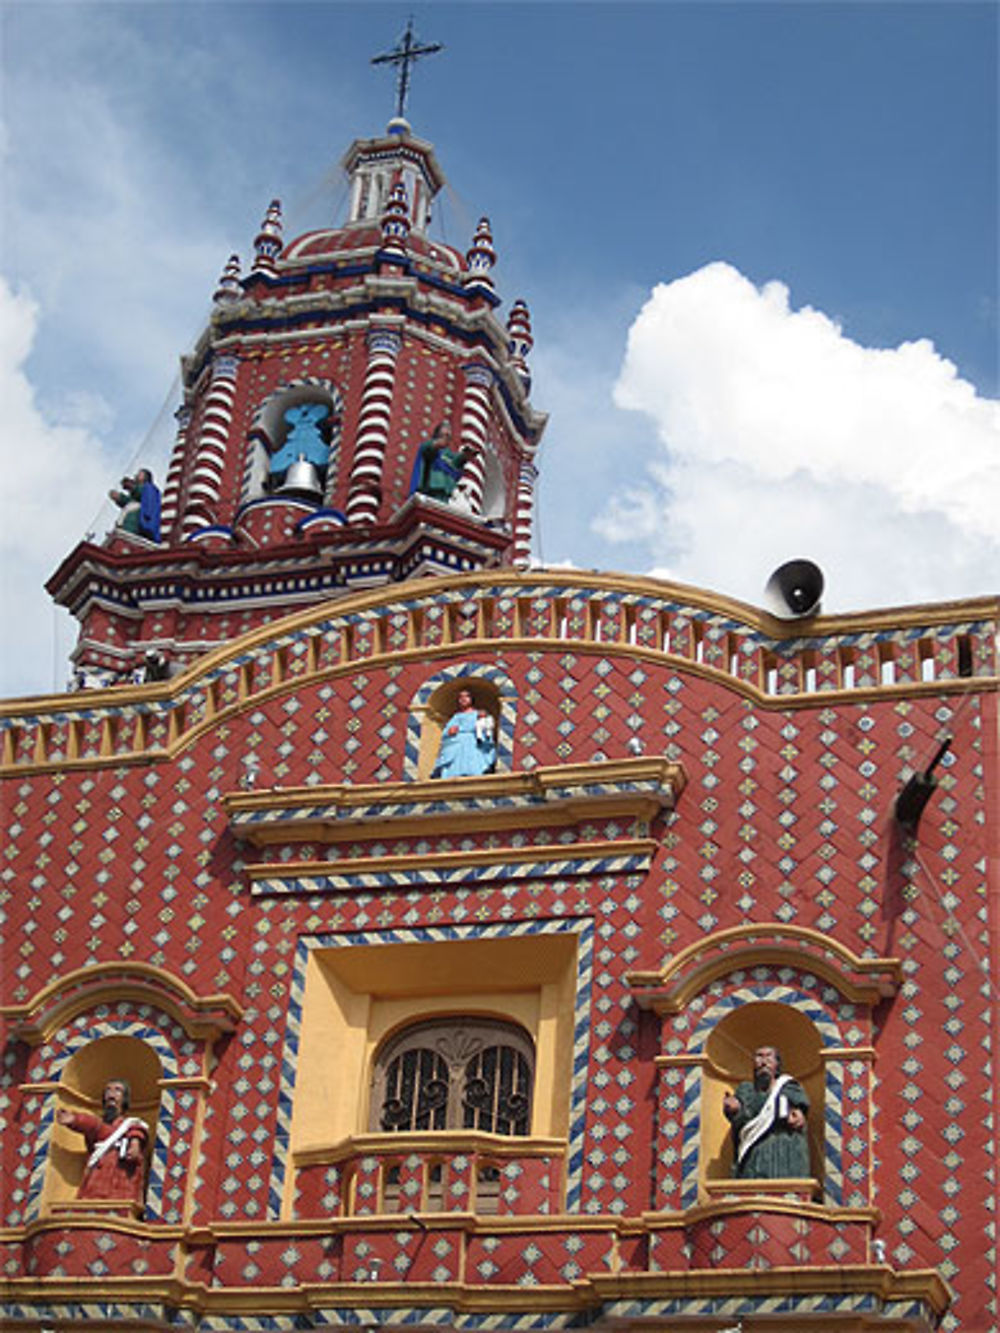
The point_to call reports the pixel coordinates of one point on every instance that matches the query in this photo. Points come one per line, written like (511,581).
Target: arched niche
(84,1076)
(81,1029)
(271,429)
(437,700)
(760,984)
(729,1060)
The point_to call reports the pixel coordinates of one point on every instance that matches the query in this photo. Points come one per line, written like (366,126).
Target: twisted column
(172,485)
(475,420)
(210,458)
(364,496)
(524,514)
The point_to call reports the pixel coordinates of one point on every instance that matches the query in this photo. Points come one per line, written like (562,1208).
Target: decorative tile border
(583,927)
(503,871)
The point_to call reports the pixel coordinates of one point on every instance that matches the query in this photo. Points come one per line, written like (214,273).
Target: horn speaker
(794,590)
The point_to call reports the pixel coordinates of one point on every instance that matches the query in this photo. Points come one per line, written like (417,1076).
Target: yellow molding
(558,792)
(587,1293)
(564,583)
(760,1202)
(202,1016)
(920,1284)
(687,973)
(450,860)
(437,1143)
(97,1221)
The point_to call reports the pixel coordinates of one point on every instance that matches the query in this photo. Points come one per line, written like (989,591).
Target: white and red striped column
(475,422)
(364,496)
(172,485)
(524,514)
(210,458)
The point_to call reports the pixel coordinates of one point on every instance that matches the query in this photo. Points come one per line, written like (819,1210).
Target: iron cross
(406,52)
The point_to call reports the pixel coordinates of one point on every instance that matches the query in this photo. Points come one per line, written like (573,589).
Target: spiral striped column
(365,493)
(172,486)
(524,514)
(475,419)
(210,458)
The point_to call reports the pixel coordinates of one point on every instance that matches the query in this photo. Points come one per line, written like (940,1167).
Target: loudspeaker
(794,590)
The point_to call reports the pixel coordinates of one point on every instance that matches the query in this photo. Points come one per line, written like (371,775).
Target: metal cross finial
(405,53)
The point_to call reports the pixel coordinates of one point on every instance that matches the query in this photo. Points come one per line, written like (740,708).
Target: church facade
(454,1052)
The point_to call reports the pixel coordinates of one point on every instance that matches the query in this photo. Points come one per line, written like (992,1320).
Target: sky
(759,243)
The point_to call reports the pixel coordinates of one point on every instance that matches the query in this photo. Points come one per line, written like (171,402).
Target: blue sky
(759,244)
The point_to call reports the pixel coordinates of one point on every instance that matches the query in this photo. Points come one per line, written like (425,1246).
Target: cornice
(436,1142)
(640,788)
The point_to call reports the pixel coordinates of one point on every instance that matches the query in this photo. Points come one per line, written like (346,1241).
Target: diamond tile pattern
(785,819)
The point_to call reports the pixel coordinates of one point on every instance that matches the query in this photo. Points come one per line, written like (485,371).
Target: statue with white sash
(116,1146)
(768,1119)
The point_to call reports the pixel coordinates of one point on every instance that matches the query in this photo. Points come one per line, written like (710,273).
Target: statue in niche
(439,468)
(468,741)
(139,501)
(307,441)
(116,1144)
(768,1120)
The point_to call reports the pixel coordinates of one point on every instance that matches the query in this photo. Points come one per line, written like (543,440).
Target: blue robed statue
(468,741)
(139,501)
(438,467)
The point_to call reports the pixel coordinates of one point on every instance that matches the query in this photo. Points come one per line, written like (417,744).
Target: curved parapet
(944,648)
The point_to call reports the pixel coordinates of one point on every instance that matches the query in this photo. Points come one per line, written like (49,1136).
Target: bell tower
(356,413)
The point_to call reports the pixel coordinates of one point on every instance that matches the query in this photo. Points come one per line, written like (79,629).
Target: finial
(405,53)
(520,341)
(267,243)
(481,256)
(230,288)
(396,221)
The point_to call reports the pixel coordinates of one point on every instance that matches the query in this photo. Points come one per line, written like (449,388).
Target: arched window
(455,1074)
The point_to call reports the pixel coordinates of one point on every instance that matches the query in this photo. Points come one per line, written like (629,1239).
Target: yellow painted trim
(921,1284)
(587,1293)
(759,1202)
(36,1019)
(449,860)
(437,1143)
(96,1222)
(351,805)
(860,980)
(371,604)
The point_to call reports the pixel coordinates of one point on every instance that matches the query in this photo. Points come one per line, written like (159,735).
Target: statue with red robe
(116,1146)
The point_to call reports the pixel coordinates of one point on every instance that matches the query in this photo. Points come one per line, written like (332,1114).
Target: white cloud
(782,437)
(54,476)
